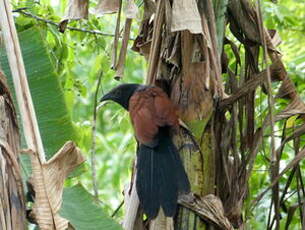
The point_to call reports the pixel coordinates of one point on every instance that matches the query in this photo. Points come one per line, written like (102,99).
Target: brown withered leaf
(76,9)
(295,107)
(149,9)
(142,42)
(275,37)
(174,55)
(209,208)
(121,61)
(154,54)
(48,179)
(299,131)
(243,21)
(195,75)
(107,7)
(244,24)
(185,16)
(277,74)
(290,165)
(63,25)
(287,89)
(12,204)
(131,10)
(131,13)
(142,47)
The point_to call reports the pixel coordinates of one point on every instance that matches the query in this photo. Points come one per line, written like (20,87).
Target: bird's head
(121,94)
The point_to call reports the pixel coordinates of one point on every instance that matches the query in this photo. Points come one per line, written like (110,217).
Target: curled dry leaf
(277,73)
(209,208)
(77,9)
(243,21)
(48,180)
(131,10)
(185,16)
(296,107)
(107,7)
(287,89)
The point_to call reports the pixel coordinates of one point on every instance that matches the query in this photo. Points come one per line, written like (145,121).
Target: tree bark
(12,207)
(188,66)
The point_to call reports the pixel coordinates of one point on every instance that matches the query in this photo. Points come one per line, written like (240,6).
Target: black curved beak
(103,101)
(106,97)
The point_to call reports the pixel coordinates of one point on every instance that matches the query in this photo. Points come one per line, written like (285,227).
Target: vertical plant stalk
(274,156)
(116,38)
(220,8)
(270,97)
(93,146)
(120,65)
(156,42)
(132,205)
(23,95)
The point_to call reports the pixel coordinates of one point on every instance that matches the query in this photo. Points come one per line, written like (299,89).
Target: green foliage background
(78,57)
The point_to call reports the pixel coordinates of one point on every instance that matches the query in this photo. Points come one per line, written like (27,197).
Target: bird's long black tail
(160,177)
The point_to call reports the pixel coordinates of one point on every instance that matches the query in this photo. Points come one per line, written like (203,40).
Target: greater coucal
(160,173)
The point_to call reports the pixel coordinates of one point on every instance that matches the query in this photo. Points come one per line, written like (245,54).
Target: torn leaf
(185,16)
(48,180)
(209,208)
(296,107)
(107,7)
(77,9)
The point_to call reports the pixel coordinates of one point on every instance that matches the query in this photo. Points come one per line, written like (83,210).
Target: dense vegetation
(78,57)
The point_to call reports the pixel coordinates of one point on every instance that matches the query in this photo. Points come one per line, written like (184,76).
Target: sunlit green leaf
(82,211)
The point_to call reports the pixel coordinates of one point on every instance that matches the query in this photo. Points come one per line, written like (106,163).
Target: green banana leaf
(55,126)
(53,118)
(82,211)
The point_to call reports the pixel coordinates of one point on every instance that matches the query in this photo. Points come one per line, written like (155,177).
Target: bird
(160,175)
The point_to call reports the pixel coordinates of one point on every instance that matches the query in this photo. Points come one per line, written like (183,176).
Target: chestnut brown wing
(150,109)
(165,111)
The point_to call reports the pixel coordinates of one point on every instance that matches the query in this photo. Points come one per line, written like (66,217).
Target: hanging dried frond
(76,9)
(131,13)
(228,130)
(12,205)
(107,7)
(131,10)
(48,180)
(209,208)
(185,16)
